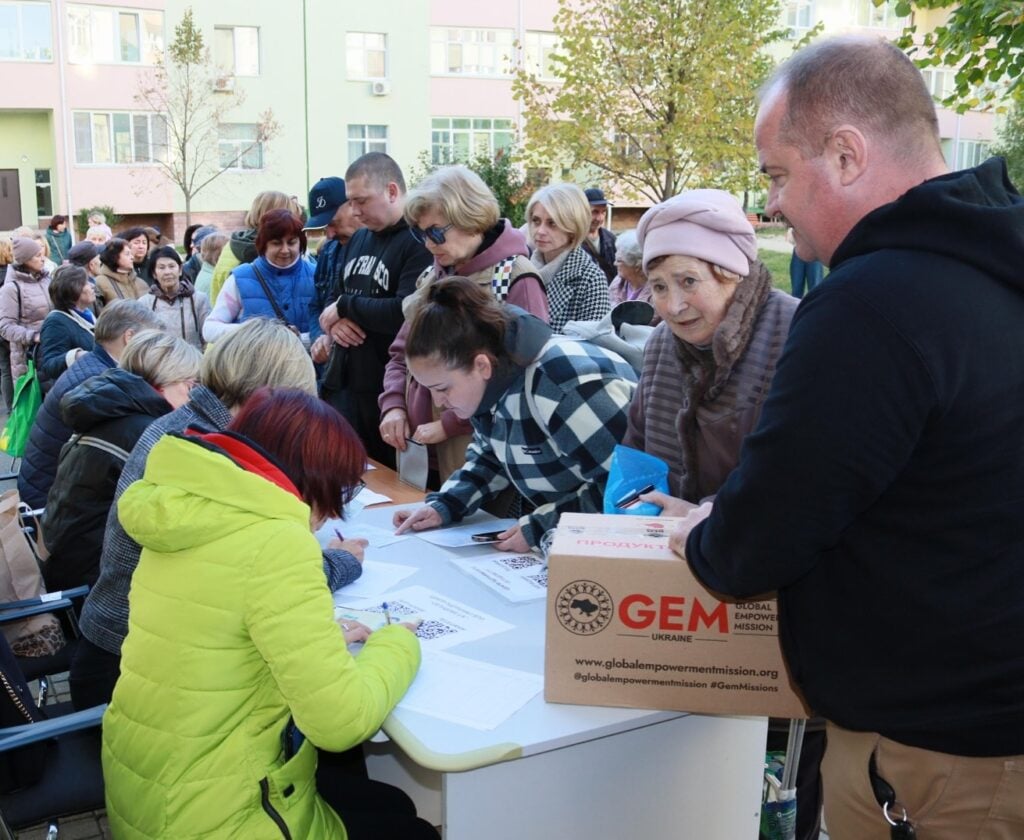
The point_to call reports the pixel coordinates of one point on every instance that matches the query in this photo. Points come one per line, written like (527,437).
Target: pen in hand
(387,612)
(337,533)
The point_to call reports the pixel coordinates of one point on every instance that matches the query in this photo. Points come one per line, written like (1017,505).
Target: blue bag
(633,471)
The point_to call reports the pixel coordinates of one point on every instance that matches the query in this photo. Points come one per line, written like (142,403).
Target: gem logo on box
(584,607)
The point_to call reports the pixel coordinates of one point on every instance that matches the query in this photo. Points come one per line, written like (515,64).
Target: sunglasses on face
(435,233)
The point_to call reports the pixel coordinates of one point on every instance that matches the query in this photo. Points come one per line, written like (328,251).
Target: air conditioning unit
(224,84)
(380,88)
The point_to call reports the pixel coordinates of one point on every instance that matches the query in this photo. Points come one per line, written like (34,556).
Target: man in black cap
(86,255)
(600,242)
(330,211)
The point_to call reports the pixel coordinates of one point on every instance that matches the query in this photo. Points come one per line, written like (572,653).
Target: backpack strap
(96,443)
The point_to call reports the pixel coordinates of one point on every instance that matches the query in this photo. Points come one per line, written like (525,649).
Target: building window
(25,32)
(462,139)
(879,17)
(470,52)
(102,35)
(119,137)
(236,50)
(970,153)
(799,14)
(366,138)
(44,195)
(939,82)
(239,146)
(366,55)
(538,48)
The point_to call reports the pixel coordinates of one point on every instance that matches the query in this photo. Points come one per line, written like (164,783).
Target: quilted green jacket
(231,632)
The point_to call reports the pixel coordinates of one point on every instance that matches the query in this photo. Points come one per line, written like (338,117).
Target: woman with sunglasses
(108,414)
(456,216)
(559,220)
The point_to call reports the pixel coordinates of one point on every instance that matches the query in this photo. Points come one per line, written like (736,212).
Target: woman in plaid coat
(546,411)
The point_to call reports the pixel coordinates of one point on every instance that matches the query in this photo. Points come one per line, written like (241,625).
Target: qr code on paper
(541,578)
(395,608)
(520,561)
(434,629)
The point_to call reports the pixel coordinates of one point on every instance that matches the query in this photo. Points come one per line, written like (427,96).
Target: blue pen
(387,614)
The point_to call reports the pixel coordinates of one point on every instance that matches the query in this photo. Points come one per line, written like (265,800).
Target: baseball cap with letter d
(325,197)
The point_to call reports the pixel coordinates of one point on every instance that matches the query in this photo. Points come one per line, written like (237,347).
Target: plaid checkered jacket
(557,453)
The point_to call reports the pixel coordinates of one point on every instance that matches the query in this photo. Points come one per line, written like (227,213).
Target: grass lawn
(777,262)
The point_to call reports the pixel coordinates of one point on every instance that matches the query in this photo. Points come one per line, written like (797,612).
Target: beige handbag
(20,579)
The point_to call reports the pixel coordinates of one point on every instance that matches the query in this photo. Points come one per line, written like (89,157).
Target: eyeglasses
(435,233)
(349,493)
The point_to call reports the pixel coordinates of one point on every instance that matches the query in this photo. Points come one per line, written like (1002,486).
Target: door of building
(10,200)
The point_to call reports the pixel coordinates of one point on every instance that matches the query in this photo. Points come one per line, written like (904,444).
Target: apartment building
(410,77)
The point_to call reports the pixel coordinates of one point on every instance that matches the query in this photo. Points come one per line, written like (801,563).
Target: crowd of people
(857,453)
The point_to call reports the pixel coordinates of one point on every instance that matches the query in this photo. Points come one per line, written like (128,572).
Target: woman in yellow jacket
(234,671)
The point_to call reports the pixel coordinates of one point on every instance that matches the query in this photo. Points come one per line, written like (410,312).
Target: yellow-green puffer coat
(231,631)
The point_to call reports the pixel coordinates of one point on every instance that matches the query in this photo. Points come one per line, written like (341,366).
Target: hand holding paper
(416,520)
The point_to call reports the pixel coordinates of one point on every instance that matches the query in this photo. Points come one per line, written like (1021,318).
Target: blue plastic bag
(632,471)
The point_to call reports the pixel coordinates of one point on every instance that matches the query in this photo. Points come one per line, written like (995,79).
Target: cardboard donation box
(628,624)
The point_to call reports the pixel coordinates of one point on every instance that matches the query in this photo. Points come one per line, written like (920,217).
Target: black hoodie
(381,268)
(882,492)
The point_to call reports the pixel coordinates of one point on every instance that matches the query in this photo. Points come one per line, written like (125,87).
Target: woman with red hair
(278,284)
(234,671)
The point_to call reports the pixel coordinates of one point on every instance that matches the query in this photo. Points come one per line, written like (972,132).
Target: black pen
(633,496)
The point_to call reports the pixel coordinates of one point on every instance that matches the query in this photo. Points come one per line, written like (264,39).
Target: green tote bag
(28,396)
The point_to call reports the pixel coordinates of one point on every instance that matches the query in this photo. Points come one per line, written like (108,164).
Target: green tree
(982,39)
(1011,143)
(195,98)
(655,94)
(498,172)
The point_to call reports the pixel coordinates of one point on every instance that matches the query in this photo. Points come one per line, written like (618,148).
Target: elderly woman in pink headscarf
(708,365)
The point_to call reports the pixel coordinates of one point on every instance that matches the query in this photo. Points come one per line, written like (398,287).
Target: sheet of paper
(468,692)
(364,498)
(376,579)
(445,622)
(373,620)
(516,577)
(376,536)
(455,536)
(414,464)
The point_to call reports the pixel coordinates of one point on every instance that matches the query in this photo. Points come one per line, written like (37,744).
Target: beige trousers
(947,797)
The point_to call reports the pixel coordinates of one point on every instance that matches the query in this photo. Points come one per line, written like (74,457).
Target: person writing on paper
(230,373)
(234,625)
(708,365)
(546,412)
(456,217)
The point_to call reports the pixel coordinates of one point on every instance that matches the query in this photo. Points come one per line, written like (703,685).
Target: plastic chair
(41,668)
(62,778)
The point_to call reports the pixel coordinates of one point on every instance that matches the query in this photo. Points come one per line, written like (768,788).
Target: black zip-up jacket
(882,492)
